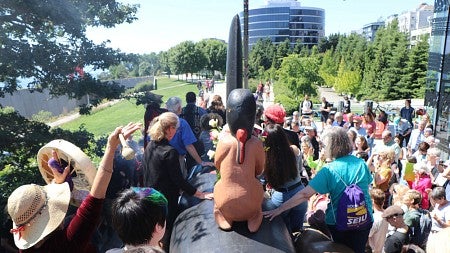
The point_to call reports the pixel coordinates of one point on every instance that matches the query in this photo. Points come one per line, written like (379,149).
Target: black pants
(404,137)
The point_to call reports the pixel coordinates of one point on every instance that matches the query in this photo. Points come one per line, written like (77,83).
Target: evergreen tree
(281,50)
(261,55)
(328,69)
(413,82)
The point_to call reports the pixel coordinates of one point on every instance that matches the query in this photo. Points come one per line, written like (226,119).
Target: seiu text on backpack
(352,210)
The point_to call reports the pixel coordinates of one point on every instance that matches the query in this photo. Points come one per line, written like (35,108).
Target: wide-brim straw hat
(36,211)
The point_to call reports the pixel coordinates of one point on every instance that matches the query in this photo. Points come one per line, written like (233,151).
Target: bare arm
(105,168)
(193,152)
(370,163)
(297,199)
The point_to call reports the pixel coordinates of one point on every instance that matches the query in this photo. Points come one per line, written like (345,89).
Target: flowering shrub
(214,137)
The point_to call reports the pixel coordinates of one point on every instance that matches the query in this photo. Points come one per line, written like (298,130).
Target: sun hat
(392,210)
(276,113)
(36,211)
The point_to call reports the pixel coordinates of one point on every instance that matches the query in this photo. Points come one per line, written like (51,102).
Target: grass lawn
(105,120)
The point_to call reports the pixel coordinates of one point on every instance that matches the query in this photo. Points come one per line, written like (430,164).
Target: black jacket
(162,170)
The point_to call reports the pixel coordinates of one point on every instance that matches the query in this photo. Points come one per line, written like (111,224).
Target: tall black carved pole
(234,56)
(245,44)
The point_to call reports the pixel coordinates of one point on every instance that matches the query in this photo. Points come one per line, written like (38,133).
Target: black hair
(191,97)
(204,120)
(134,216)
(363,155)
(280,159)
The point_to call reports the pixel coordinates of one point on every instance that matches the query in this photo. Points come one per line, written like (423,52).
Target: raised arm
(105,168)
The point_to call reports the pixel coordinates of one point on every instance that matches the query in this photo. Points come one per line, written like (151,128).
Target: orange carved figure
(238,195)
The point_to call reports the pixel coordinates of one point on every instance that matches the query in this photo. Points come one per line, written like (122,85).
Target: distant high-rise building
(416,23)
(369,30)
(279,20)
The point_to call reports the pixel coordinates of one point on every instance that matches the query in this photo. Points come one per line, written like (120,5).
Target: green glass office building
(437,93)
(285,19)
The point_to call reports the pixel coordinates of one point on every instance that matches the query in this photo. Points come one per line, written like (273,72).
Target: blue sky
(165,23)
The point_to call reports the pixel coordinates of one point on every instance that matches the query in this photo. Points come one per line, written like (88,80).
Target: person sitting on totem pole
(238,195)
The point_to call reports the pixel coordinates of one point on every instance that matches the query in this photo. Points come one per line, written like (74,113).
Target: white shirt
(416,138)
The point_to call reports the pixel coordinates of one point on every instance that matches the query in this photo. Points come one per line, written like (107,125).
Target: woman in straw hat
(38,211)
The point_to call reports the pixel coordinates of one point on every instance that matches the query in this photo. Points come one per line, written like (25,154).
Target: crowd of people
(403,182)
(403,177)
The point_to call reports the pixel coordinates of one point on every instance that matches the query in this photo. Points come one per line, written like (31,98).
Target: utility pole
(245,44)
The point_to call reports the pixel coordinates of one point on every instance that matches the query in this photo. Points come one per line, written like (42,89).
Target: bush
(143,87)
(42,116)
(289,104)
(253,85)
(20,141)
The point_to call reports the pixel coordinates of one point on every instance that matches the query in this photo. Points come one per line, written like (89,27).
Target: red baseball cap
(275,113)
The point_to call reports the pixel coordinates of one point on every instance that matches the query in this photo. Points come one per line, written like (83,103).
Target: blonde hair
(389,153)
(160,125)
(413,195)
(398,191)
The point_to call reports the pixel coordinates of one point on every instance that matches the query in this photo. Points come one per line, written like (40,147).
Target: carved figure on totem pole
(239,158)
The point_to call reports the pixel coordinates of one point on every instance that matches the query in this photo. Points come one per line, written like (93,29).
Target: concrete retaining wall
(29,103)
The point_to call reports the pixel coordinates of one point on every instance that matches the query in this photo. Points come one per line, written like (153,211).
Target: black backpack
(192,116)
(419,232)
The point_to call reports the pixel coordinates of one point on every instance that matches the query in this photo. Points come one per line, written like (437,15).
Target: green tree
(300,75)
(187,58)
(413,82)
(164,60)
(149,64)
(328,43)
(328,68)
(216,54)
(145,69)
(119,71)
(347,81)
(297,47)
(281,50)
(382,80)
(304,51)
(44,42)
(261,56)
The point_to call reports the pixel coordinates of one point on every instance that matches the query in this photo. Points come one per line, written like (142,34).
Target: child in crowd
(412,200)
(377,235)
(139,217)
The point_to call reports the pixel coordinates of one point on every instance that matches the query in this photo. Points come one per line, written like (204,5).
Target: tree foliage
(43,43)
(261,57)
(215,52)
(20,142)
(299,74)
(186,58)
